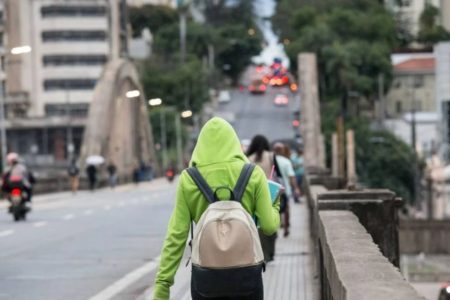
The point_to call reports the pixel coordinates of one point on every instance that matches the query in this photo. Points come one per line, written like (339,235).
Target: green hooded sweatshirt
(219,158)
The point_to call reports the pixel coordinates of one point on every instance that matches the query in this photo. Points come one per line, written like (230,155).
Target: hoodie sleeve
(266,212)
(174,245)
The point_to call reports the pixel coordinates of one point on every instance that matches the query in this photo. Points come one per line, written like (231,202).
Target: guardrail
(355,234)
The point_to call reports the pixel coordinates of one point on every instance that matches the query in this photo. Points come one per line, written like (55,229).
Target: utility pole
(69,133)
(179,142)
(382,108)
(183,10)
(3,127)
(163,138)
(416,183)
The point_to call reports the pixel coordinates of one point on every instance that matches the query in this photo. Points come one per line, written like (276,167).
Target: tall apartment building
(48,90)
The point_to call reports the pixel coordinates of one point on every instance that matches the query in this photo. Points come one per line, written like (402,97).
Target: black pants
(258,294)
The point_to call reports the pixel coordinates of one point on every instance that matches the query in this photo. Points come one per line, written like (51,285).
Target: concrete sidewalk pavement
(289,277)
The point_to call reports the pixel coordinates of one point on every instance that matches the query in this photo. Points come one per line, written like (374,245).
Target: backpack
(227,258)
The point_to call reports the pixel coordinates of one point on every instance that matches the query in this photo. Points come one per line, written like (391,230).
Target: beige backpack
(227,258)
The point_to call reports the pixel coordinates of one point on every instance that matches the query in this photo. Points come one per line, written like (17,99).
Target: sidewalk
(289,277)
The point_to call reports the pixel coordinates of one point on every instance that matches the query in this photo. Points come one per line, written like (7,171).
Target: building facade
(48,90)
(445,14)
(413,86)
(442,53)
(409,11)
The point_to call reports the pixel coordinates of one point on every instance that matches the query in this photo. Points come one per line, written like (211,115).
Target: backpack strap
(241,184)
(201,184)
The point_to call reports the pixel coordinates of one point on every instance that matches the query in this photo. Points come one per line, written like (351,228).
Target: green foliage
(382,159)
(180,86)
(352,40)
(235,50)
(430,31)
(154,17)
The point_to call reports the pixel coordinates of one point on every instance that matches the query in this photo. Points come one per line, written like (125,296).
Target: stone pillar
(310,109)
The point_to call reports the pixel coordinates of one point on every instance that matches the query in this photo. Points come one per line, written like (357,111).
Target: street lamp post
(14,51)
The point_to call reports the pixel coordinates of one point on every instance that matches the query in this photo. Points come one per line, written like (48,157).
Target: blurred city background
(124,86)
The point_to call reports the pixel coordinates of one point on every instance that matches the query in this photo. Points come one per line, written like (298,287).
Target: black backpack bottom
(229,282)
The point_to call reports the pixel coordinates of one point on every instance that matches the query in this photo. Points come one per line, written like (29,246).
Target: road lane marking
(126,281)
(69,217)
(39,224)
(88,212)
(6,232)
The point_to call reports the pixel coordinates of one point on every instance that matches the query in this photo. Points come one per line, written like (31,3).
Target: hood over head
(217,142)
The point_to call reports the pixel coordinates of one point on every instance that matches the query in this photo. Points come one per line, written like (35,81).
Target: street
(257,114)
(73,248)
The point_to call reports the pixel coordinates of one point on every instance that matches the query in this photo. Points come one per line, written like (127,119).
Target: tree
(154,17)
(184,87)
(430,31)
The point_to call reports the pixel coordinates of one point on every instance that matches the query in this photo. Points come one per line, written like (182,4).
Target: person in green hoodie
(219,158)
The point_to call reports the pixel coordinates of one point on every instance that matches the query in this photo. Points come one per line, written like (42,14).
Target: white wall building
(171,3)
(442,54)
(410,11)
(51,87)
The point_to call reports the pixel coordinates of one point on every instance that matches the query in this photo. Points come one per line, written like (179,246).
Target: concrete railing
(356,239)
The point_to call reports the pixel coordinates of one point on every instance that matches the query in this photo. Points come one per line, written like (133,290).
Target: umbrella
(95,160)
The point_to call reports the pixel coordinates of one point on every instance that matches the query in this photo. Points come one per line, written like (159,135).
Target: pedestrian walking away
(258,152)
(91,171)
(112,175)
(219,173)
(74,176)
(286,174)
(299,169)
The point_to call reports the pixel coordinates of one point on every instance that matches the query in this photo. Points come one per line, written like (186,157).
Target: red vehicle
(257,87)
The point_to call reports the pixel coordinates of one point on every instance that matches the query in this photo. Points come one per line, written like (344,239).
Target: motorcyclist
(17,176)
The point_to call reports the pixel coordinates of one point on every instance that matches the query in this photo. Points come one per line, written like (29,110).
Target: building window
(73,109)
(73,35)
(73,60)
(69,84)
(398,107)
(418,81)
(72,11)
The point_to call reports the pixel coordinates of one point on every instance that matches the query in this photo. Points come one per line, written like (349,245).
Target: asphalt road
(257,114)
(76,246)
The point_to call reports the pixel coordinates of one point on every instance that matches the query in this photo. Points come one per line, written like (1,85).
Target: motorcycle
(18,208)
(170,175)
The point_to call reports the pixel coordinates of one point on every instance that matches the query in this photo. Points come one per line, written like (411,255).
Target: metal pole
(3,127)
(182,35)
(179,142)
(381,100)
(163,139)
(69,126)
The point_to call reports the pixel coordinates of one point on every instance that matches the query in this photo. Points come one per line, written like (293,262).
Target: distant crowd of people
(141,172)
